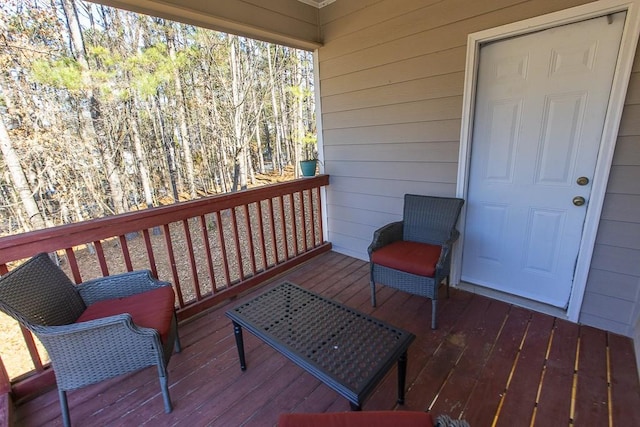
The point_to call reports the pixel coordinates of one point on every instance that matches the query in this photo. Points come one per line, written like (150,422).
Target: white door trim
(609,135)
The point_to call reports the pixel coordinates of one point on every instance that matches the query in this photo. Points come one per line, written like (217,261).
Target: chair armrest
(384,235)
(118,286)
(87,352)
(446,249)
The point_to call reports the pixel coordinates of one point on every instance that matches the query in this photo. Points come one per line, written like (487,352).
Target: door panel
(540,106)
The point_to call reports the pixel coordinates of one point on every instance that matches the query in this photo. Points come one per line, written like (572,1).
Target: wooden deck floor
(489,362)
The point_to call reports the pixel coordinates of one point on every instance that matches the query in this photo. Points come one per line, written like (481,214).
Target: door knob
(578,201)
(583,180)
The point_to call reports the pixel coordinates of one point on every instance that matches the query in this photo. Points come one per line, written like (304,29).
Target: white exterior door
(540,106)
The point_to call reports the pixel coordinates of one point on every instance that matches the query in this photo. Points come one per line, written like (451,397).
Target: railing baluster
(274,243)
(304,222)
(294,225)
(252,254)
(101,259)
(172,263)
(124,246)
(283,228)
(33,350)
(207,250)
(149,246)
(234,229)
(313,219)
(223,248)
(73,265)
(263,247)
(192,260)
(321,234)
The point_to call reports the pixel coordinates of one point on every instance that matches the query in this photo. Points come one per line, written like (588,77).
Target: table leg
(355,407)
(402,375)
(237,331)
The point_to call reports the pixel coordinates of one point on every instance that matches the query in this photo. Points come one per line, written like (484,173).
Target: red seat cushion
(357,419)
(411,257)
(150,309)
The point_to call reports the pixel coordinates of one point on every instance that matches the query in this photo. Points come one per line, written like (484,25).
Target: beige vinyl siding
(391,83)
(612,297)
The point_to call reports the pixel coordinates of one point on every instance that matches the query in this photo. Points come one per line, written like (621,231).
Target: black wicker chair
(42,298)
(414,255)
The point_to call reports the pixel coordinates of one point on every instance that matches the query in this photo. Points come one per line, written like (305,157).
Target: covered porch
(489,362)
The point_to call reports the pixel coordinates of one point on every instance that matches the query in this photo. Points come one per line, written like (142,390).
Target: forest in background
(105,111)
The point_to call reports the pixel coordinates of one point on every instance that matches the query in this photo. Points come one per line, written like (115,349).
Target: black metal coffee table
(345,349)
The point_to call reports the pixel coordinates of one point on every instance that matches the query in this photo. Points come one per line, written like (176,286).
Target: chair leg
(64,408)
(164,386)
(373,294)
(447,283)
(434,306)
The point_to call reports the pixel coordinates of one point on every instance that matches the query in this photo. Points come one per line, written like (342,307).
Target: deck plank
(591,404)
(466,363)
(553,403)
(519,402)
(485,398)
(625,388)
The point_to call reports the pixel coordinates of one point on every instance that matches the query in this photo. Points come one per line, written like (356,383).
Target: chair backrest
(430,219)
(38,293)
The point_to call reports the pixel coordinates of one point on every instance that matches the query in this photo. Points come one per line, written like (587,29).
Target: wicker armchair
(96,330)
(414,255)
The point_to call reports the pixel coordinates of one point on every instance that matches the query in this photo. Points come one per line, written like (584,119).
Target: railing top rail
(24,245)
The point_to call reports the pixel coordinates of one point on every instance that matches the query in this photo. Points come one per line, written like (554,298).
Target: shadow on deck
(489,362)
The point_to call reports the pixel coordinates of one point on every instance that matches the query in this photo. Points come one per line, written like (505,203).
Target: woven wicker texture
(41,297)
(426,219)
(347,346)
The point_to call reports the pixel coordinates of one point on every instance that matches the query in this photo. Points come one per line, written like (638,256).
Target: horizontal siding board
(391,205)
(614,284)
(617,310)
(349,245)
(621,207)
(629,124)
(614,259)
(416,151)
(365,216)
(437,14)
(434,64)
(436,131)
(627,151)
(431,40)
(435,109)
(624,180)
(293,8)
(340,9)
(633,92)
(436,87)
(370,16)
(430,172)
(352,229)
(389,188)
(620,234)
(604,323)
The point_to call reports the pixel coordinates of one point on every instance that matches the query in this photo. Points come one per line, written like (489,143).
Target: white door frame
(610,132)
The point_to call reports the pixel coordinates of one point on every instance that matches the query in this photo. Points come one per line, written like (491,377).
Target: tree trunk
(90,110)
(20,183)
(185,138)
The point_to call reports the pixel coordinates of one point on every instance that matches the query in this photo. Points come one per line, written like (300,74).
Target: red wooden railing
(211,249)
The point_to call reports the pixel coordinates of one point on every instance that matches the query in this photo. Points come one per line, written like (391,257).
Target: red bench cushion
(150,309)
(411,257)
(357,419)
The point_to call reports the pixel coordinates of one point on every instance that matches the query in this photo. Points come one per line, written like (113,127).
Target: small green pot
(308,167)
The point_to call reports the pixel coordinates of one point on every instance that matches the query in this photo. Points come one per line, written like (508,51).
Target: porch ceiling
(289,22)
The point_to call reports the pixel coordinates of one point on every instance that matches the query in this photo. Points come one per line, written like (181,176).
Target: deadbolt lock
(583,180)
(578,201)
